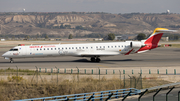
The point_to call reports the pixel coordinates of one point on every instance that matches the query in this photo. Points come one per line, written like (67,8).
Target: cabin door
(23,51)
(61,52)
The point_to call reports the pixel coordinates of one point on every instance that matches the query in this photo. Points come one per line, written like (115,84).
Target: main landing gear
(11,60)
(97,59)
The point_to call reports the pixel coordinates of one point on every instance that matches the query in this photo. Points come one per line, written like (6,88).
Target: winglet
(164,30)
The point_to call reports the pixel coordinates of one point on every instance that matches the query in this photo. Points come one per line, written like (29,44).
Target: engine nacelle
(136,44)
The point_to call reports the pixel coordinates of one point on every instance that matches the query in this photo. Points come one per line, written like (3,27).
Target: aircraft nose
(4,55)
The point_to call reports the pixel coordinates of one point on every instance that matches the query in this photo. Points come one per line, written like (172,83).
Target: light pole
(99,73)
(57,74)
(120,77)
(17,70)
(77,73)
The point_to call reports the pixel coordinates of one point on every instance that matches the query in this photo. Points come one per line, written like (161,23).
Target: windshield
(13,50)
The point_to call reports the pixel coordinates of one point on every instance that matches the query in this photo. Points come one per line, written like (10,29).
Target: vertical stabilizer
(153,40)
(156,36)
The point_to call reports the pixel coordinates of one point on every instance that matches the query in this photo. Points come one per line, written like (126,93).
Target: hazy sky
(110,6)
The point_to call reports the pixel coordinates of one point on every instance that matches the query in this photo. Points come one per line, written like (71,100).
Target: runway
(160,57)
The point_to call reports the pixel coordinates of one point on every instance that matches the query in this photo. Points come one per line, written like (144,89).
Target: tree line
(110,36)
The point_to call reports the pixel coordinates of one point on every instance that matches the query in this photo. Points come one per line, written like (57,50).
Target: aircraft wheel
(93,59)
(98,59)
(11,60)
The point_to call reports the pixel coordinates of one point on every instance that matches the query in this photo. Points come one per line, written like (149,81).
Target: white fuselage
(83,50)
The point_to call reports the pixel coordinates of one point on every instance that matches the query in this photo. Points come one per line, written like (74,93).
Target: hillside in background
(84,24)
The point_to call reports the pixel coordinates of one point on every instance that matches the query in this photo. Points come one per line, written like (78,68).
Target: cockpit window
(13,50)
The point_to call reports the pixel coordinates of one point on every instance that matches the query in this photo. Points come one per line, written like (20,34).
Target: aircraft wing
(87,54)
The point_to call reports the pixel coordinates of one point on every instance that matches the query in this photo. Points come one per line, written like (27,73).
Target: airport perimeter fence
(93,71)
(125,81)
(93,96)
(117,95)
(119,79)
(101,71)
(126,78)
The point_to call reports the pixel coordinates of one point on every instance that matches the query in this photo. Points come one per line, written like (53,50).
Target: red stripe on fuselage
(46,46)
(129,52)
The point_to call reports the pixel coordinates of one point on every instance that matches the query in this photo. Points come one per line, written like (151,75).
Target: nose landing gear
(11,60)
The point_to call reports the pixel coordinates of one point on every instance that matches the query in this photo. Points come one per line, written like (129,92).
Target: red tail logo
(153,40)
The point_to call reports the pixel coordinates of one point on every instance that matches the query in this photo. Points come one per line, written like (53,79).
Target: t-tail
(153,40)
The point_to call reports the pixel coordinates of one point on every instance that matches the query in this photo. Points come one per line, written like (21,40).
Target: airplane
(92,50)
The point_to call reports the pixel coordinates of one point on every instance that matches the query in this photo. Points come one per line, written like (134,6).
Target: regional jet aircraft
(92,50)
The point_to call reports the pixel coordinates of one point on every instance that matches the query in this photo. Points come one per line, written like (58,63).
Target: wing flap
(87,54)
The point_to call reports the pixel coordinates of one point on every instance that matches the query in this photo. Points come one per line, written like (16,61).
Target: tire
(93,59)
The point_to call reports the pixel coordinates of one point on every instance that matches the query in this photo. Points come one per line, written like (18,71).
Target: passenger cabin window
(91,47)
(40,48)
(37,49)
(103,46)
(108,46)
(47,48)
(86,47)
(54,48)
(13,50)
(72,47)
(44,48)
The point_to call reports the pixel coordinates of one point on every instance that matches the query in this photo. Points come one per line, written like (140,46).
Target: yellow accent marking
(120,50)
(159,29)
